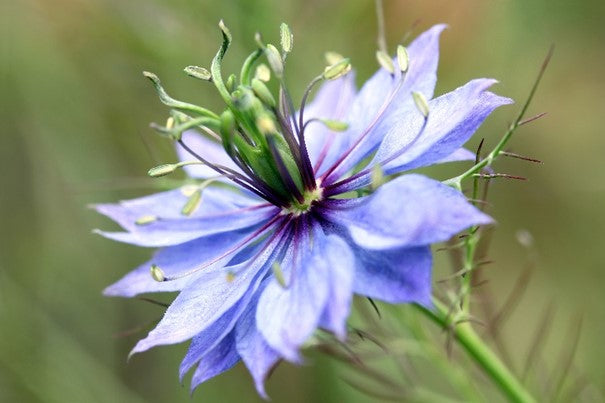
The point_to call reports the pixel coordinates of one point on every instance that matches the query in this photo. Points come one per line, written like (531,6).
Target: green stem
(480,353)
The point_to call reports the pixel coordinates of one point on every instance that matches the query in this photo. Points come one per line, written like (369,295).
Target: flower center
(309,198)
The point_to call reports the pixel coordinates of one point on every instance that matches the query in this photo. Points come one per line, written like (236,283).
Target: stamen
(403,58)
(332,189)
(255,235)
(146,219)
(275,60)
(307,169)
(337,70)
(385,61)
(421,103)
(167,169)
(334,125)
(368,129)
(198,72)
(287,39)
(192,203)
(157,273)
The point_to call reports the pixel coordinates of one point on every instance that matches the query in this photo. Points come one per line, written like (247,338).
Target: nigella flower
(293,213)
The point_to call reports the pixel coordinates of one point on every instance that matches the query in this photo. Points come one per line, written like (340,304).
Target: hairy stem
(476,348)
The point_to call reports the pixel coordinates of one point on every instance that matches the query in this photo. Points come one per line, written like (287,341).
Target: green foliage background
(75,112)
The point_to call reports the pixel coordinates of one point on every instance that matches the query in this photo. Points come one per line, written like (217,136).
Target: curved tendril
(176,104)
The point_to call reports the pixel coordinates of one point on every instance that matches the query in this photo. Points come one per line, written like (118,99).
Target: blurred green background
(75,112)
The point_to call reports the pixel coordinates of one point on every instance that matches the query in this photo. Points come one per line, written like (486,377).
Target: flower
(300,217)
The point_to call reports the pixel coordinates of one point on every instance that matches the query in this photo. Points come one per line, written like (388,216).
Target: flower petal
(258,356)
(220,210)
(411,210)
(210,150)
(461,154)
(288,316)
(209,297)
(207,340)
(216,361)
(175,261)
(453,118)
(341,275)
(394,275)
(384,94)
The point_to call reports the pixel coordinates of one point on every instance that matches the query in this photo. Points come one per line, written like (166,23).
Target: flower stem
(480,353)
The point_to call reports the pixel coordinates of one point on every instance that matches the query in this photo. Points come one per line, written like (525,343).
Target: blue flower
(297,222)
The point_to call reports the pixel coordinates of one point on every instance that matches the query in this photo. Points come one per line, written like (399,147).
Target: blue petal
(453,118)
(209,297)
(258,356)
(220,210)
(210,150)
(341,274)
(411,210)
(288,316)
(204,342)
(216,361)
(175,261)
(370,112)
(394,275)
(461,154)
(333,101)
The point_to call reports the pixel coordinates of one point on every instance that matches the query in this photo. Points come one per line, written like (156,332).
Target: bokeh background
(75,112)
